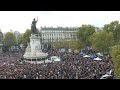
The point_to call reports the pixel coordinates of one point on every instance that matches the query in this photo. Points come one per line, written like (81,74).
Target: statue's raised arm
(37,18)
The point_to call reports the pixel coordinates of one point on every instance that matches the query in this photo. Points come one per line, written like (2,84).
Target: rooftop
(58,28)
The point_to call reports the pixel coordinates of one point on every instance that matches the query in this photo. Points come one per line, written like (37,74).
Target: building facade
(51,34)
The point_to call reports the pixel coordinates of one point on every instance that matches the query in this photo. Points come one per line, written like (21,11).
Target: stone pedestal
(33,50)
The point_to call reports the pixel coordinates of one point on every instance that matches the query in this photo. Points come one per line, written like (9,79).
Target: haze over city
(21,20)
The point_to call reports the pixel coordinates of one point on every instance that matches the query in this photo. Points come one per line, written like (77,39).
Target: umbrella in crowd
(86,56)
(93,56)
(97,58)
(81,53)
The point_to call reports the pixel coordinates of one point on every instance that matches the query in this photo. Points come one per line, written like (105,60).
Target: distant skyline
(21,20)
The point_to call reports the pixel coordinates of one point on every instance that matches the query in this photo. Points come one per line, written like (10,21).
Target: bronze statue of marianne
(33,26)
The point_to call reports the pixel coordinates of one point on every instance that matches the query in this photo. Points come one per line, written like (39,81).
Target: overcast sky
(21,20)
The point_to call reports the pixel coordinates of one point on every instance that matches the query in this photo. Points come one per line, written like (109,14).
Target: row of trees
(74,44)
(10,39)
(105,40)
(100,41)
(25,37)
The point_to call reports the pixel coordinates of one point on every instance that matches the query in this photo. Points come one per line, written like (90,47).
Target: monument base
(33,50)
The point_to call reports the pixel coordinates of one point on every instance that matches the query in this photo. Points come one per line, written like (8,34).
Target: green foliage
(72,44)
(61,44)
(68,44)
(80,44)
(116,60)
(113,27)
(64,43)
(75,44)
(101,41)
(56,44)
(84,32)
(20,40)
(9,39)
(25,37)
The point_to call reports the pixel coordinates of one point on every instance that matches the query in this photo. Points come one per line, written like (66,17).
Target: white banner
(62,50)
(69,50)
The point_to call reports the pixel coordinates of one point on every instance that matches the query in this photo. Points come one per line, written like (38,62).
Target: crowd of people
(71,66)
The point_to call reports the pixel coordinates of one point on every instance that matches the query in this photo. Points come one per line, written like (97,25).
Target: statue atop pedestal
(35,30)
(33,27)
(33,50)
